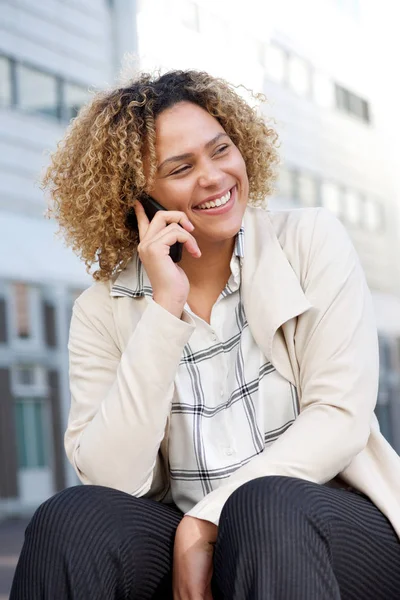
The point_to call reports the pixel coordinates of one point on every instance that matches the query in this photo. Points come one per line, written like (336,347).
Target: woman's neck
(212,269)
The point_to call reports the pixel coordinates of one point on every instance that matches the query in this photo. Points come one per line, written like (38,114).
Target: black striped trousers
(279,538)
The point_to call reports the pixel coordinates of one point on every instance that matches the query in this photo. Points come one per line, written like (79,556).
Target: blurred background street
(327,68)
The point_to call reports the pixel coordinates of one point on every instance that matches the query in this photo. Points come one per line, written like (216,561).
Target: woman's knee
(75,504)
(80,516)
(265,498)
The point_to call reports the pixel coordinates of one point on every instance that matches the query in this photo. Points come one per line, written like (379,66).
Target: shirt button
(228,451)
(213,336)
(222,392)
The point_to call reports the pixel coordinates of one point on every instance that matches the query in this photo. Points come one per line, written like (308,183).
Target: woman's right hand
(169,281)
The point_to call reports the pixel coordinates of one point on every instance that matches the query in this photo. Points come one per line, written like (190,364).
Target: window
(385,353)
(38,92)
(75,96)
(365,111)
(275,63)
(30,432)
(352,104)
(330,196)
(22,312)
(31,423)
(5,82)
(353,207)
(299,76)
(307,190)
(3,321)
(25,375)
(342,98)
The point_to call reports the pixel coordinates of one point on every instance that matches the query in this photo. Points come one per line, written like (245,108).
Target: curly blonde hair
(97,171)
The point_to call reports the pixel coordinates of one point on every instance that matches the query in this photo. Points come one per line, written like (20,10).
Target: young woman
(222,406)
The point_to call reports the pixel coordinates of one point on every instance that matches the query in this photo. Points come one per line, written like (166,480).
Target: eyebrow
(190,154)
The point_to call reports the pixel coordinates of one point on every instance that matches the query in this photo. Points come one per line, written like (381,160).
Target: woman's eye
(181,170)
(221,149)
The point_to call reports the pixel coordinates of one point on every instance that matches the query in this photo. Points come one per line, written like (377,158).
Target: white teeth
(214,203)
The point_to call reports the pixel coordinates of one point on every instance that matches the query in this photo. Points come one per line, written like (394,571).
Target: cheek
(240,165)
(173,195)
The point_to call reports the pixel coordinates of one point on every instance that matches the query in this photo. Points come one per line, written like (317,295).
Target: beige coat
(310,312)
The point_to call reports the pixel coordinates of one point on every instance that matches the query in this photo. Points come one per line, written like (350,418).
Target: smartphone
(151,207)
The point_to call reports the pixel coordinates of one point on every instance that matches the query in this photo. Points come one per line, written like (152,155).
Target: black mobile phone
(151,207)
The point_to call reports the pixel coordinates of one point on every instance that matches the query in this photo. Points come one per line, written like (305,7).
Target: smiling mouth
(215,203)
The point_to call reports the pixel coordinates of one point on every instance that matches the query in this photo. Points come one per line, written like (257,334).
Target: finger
(173,231)
(143,221)
(169,236)
(165,217)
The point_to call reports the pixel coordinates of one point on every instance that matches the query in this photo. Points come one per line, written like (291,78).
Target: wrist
(172,306)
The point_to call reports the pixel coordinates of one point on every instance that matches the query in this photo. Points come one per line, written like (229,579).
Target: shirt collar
(134,282)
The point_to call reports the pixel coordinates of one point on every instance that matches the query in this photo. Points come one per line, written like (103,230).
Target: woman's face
(200,172)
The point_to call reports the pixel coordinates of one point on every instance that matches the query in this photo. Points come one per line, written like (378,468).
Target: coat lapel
(271,291)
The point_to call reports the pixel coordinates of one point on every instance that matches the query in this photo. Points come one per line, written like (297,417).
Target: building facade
(328,115)
(51,54)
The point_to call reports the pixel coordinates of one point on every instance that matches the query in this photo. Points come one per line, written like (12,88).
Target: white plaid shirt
(229,401)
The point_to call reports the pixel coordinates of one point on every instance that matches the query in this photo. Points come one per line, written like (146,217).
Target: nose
(210,174)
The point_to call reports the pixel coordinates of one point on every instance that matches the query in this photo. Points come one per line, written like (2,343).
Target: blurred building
(51,53)
(321,86)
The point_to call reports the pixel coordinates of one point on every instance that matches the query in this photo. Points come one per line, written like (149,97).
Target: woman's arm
(120,402)
(337,352)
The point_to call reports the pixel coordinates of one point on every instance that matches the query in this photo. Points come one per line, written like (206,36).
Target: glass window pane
(39,433)
(342,98)
(307,190)
(75,96)
(37,92)
(356,106)
(25,375)
(330,195)
(365,111)
(384,353)
(29,420)
(20,434)
(23,321)
(5,82)
(299,76)
(352,203)
(382,412)
(276,63)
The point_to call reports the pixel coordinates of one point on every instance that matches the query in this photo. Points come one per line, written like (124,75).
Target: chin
(223,234)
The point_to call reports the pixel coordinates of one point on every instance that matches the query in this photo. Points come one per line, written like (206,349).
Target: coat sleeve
(337,352)
(120,402)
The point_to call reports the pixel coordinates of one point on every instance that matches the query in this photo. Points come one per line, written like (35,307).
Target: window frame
(35,315)
(41,71)
(63,97)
